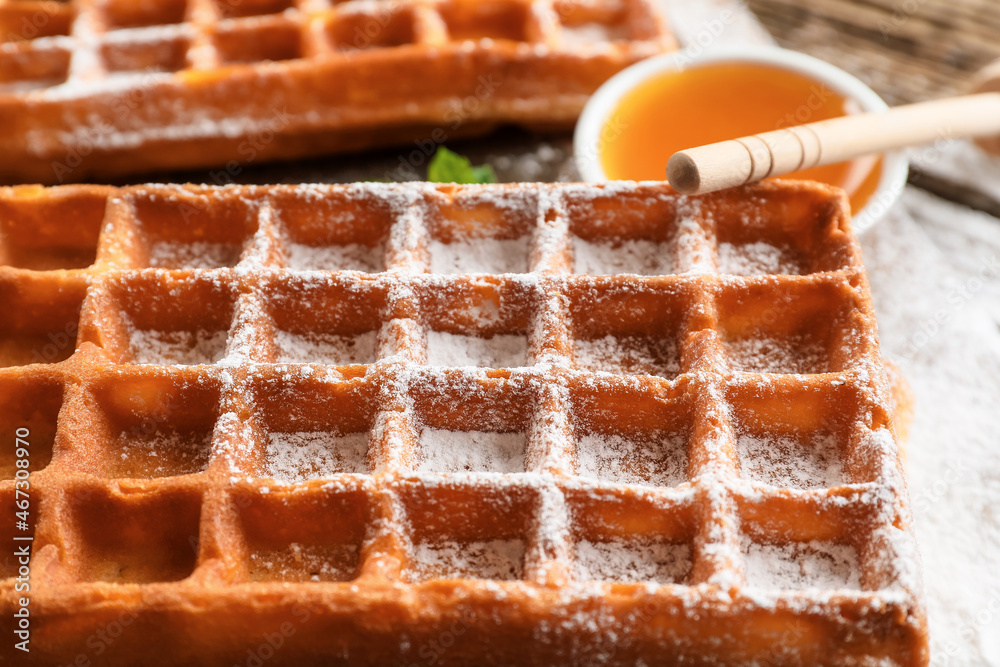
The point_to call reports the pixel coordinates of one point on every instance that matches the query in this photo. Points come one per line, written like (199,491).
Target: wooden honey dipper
(737,162)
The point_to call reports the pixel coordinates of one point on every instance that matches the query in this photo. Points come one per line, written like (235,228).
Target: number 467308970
(22,454)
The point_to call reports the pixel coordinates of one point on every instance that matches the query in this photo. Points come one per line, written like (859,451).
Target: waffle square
(95,89)
(416,424)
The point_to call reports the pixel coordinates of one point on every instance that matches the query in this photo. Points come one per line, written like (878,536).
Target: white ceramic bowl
(590,129)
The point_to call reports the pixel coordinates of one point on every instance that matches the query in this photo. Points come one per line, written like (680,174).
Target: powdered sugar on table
(935,277)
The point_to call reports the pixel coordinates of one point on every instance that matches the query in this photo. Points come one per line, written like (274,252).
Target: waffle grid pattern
(159,74)
(406,541)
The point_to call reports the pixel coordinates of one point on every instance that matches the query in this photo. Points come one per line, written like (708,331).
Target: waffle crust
(113,88)
(483,444)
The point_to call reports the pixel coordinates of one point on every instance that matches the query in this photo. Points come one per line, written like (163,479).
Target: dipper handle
(988,81)
(740,161)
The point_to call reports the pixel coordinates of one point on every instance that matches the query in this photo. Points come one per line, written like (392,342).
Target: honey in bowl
(719,101)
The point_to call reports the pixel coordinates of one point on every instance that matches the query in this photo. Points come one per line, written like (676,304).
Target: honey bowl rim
(589,136)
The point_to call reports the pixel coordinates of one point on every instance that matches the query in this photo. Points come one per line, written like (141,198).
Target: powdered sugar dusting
(756,259)
(320,348)
(499,351)
(631,561)
(589,34)
(801,565)
(632,355)
(793,354)
(348,257)
(470,451)
(640,257)
(654,460)
(788,463)
(297,457)
(935,278)
(196,255)
(617,459)
(161,454)
(184,348)
(500,560)
(24,87)
(480,256)
(305,562)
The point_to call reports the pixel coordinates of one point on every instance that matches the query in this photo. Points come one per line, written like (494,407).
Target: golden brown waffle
(105,88)
(413,425)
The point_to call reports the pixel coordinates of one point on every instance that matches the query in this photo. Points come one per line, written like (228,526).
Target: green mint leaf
(450,167)
(484,174)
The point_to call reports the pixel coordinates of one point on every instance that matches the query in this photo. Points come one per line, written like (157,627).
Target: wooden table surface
(906,50)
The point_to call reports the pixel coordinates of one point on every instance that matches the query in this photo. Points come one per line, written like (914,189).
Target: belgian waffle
(415,424)
(106,88)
